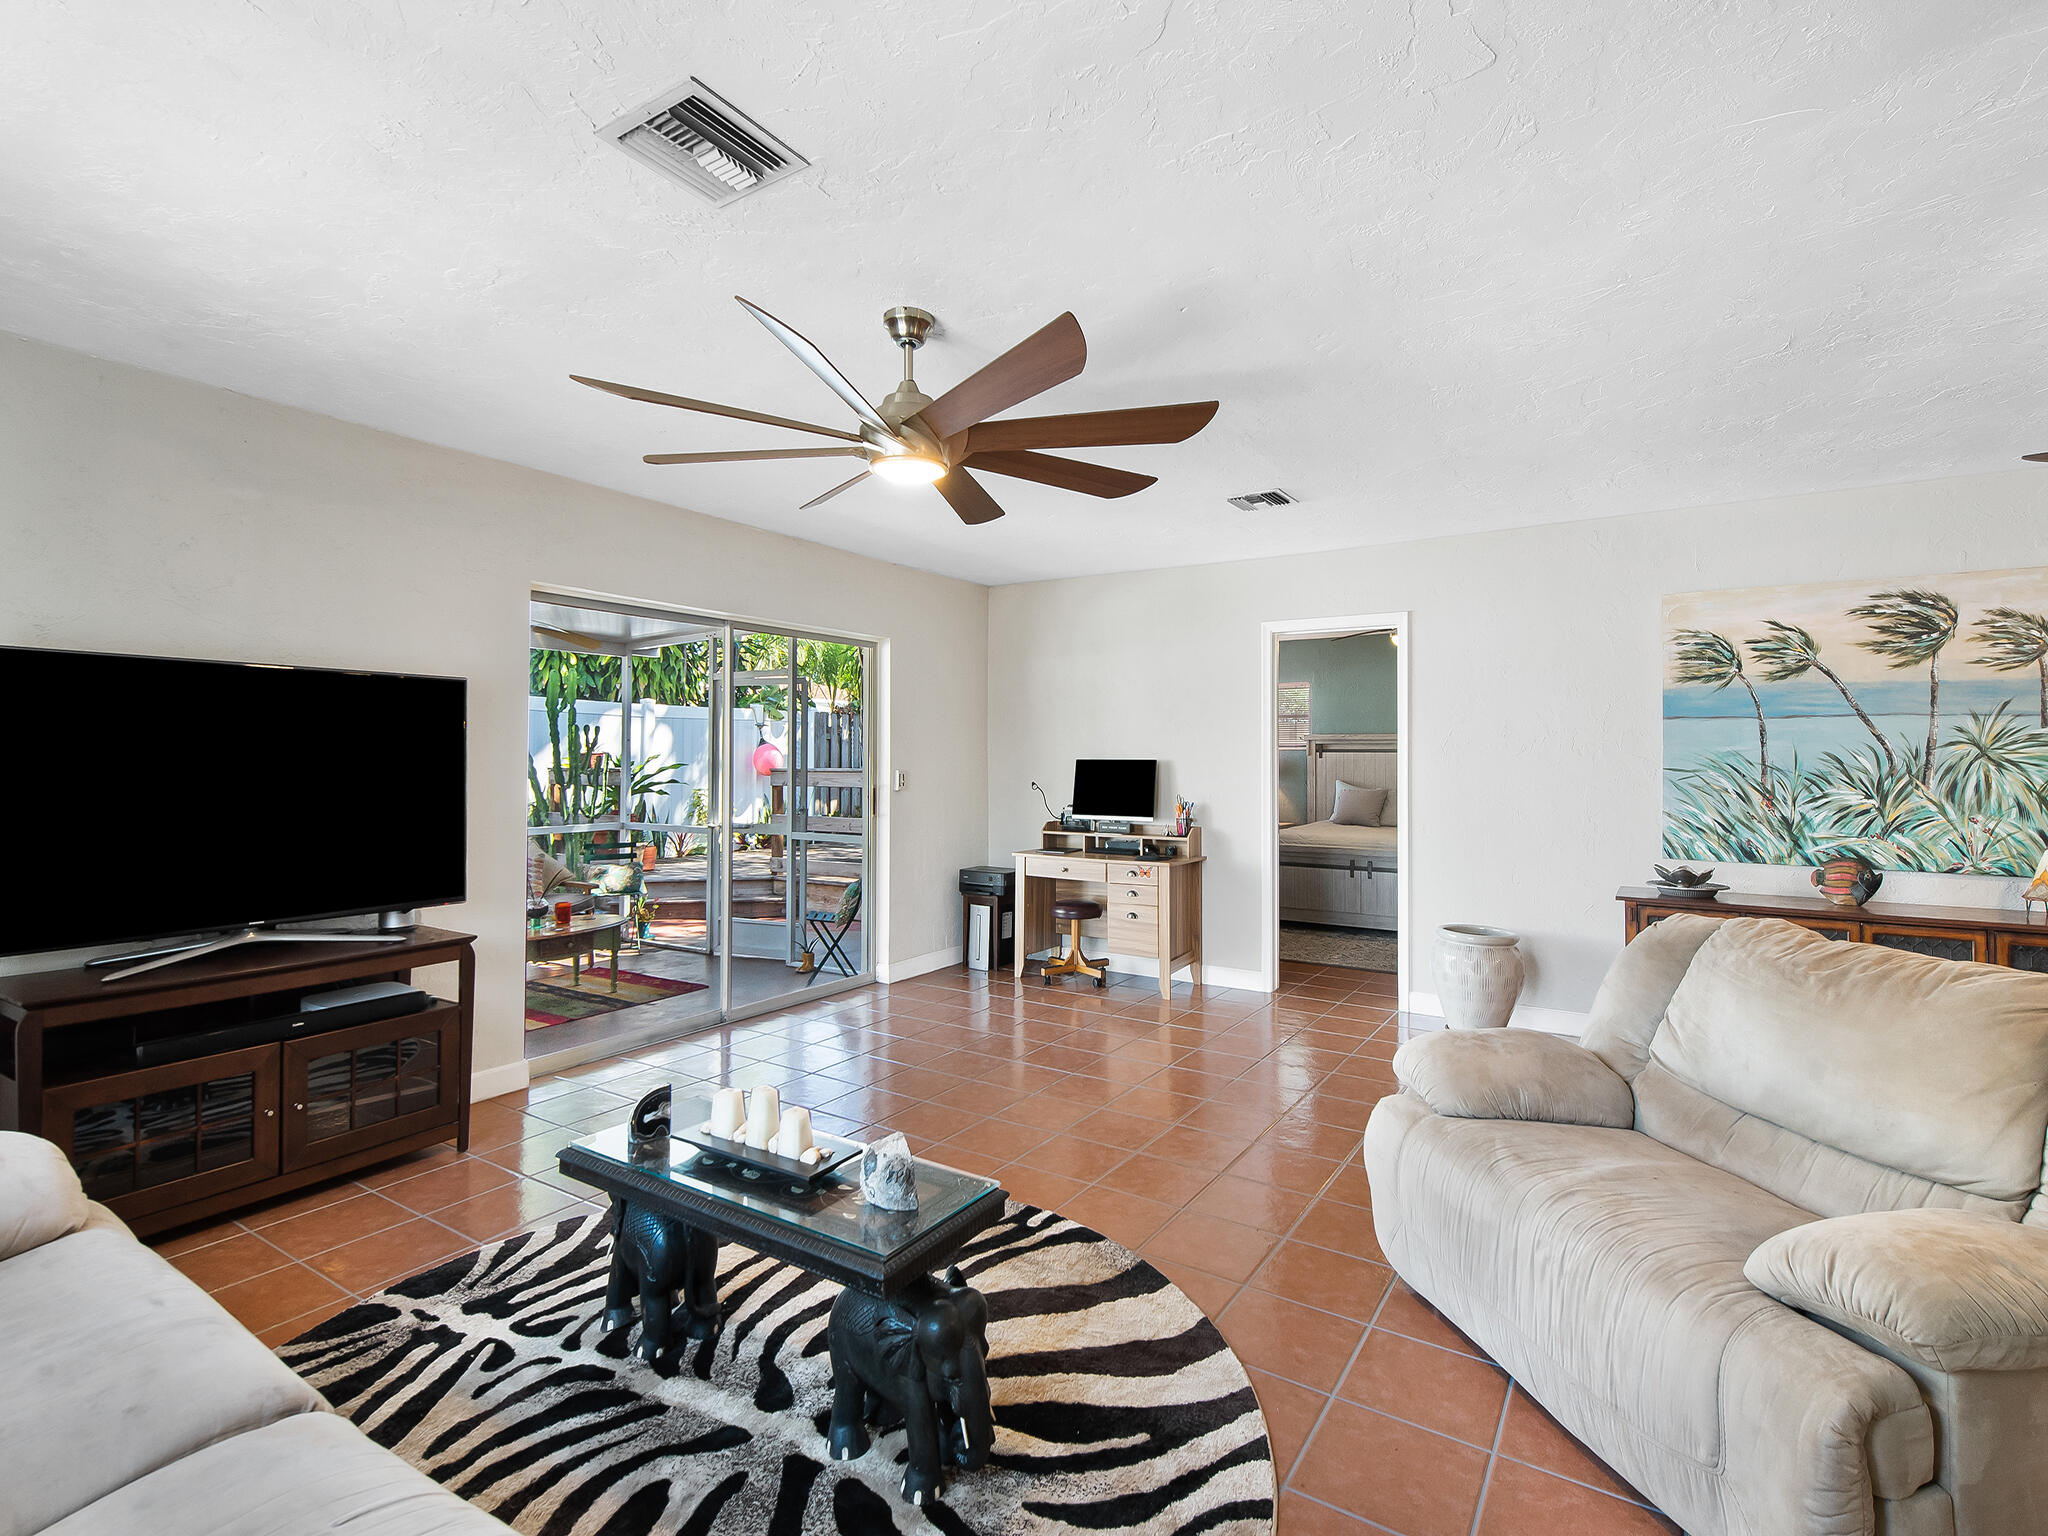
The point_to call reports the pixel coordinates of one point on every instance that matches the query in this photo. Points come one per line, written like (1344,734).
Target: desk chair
(830,929)
(1074,911)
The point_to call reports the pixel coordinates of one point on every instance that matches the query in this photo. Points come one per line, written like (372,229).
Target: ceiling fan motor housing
(907,326)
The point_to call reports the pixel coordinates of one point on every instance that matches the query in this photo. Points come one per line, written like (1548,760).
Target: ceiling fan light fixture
(906,468)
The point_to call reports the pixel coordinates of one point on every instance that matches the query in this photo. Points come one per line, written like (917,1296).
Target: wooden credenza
(1989,934)
(181,1140)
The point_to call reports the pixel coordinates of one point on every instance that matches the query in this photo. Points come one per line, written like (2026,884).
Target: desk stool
(1074,911)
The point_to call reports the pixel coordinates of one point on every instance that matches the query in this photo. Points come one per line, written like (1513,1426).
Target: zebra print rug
(1118,1406)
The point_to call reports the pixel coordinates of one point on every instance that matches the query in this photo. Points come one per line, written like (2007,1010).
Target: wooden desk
(1993,935)
(1151,901)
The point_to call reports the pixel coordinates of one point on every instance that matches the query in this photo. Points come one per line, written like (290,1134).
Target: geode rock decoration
(888,1174)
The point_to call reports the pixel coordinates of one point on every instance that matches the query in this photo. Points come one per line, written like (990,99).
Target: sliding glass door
(703,787)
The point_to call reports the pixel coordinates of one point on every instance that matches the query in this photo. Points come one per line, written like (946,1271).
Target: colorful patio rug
(552,999)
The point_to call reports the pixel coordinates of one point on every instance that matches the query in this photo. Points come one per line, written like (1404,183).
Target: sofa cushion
(1957,1292)
(302,1476)
(1935,1068)
(1637,990)
(40,1199)
(1512,1074)
(117,1365)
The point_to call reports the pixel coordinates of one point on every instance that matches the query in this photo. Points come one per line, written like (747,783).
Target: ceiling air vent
(693,135)
(1252,499)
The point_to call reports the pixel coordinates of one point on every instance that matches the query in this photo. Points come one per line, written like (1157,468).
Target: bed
(1341,876)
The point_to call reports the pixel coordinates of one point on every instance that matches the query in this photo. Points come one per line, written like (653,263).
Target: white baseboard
(489,1082)
(918,965)
(1230,976)
(1552,1021)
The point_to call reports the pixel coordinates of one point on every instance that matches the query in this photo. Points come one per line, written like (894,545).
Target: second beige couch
(1772,1240)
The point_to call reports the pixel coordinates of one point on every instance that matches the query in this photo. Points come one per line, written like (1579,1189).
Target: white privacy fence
(680,735)
(677,734)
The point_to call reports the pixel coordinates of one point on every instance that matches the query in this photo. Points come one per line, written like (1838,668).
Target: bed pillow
(1357,806)
(1387,810)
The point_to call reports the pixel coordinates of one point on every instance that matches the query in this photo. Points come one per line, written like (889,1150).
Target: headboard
(1367,760)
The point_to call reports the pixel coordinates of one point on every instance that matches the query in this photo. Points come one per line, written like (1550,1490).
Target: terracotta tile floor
(1217,1134)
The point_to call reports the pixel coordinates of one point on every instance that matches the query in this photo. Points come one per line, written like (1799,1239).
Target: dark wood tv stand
(180,1141)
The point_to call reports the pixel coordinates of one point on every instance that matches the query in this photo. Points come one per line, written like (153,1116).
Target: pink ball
(767,758)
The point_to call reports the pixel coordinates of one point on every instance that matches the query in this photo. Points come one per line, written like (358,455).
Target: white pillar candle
(764,1117)
(795,1138)
(728,1109)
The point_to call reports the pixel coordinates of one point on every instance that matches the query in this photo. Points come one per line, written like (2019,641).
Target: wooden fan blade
(2035,458)
(711,407)
(808,354)
(749,455)
(844,485)
(1048,356)
(1067,474)
(966,496)
(1093,429)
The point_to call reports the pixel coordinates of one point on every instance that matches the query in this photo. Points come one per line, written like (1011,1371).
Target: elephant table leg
(654,1256)
(926,1353)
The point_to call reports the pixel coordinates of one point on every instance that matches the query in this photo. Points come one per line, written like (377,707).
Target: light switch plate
(899,779)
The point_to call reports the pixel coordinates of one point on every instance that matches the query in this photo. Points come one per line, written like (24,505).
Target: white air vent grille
(1253,499)
(693,135)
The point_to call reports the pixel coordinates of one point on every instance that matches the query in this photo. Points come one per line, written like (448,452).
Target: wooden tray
(838,1152)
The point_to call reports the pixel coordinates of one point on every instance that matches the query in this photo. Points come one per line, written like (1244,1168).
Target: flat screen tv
(154,798)
(1115,788)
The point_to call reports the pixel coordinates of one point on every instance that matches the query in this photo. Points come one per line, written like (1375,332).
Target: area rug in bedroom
(1312,945)
(1118,1406)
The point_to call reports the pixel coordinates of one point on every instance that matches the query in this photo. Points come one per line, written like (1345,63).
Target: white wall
(1536,712)
(143,513)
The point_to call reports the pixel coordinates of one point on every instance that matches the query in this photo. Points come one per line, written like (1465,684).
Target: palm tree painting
(1706,658)
(2013,640)
(1798,723)
(1911,628)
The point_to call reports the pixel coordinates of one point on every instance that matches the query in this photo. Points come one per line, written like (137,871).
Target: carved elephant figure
(653,1256)
(924,1353)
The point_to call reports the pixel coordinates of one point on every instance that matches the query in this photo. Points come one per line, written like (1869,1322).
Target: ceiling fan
(912,439)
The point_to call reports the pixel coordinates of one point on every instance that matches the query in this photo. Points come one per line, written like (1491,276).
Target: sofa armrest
(40,1199)
(1953,1291)
(1513,1074)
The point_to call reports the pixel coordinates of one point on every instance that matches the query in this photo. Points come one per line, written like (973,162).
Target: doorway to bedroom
(1337,784)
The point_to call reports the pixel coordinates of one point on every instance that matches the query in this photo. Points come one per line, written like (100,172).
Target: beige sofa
(1772,1239)
(131,1402)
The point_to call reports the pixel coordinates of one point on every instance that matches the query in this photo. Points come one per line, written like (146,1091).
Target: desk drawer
(1133,930)
(1130,894)
(1060,866)
(1134,871)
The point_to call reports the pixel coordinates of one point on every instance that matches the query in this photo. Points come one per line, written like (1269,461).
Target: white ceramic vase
(1478,974)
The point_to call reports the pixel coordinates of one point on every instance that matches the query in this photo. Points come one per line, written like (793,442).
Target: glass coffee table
(899,1333)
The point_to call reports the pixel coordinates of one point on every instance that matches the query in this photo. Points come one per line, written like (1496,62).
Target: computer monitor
(1116,788)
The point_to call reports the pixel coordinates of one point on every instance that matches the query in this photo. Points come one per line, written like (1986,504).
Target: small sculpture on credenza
(1848,880)
(1681,877)
(2038,889)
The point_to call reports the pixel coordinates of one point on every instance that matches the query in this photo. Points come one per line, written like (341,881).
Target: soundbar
(319,1012)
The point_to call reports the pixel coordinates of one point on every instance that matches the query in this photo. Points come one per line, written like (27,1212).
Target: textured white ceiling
(1448,266)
